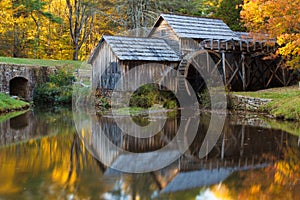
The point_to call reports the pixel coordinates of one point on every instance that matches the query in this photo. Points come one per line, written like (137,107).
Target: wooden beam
(243,71)
(284,76)
(233,75)
(224,67)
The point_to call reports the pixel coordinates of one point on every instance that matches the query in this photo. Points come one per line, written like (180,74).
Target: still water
(44,156)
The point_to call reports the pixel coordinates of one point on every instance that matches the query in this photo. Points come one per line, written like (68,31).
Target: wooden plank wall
(189,45)
(104,65)
(164,31)
(148,72)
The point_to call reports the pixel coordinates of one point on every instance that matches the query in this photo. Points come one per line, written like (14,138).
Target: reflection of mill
(240,147)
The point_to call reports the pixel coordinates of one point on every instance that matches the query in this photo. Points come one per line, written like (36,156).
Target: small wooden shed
(115,55)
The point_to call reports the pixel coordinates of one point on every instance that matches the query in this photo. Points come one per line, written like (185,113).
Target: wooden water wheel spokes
(207,69)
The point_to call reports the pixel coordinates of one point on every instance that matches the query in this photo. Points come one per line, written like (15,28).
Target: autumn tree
(23,27)
(35,9)
(81,20)
(281,20)
(6,30)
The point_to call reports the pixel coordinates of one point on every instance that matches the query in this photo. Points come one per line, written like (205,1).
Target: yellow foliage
(278,18)
(20,35)
(255,189)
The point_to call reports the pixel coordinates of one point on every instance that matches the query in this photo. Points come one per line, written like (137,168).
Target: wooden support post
(208,62)
(243,72)
(224,67)
(233,45)
(242,140)
(284,76)
(241,45)
(248,49)
(223,147)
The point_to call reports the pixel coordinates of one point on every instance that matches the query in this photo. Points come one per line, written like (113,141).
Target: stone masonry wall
(33,74)
(239,102)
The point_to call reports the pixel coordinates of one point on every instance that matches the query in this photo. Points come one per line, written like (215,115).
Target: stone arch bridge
(21,80)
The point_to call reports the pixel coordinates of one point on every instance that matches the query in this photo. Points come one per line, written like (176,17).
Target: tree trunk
(76,52)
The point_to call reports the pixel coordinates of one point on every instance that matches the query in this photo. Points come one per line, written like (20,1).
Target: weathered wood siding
(164,31)
(148,72)
(106,67)
(189,45)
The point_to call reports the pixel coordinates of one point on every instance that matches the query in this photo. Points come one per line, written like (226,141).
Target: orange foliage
(280,19)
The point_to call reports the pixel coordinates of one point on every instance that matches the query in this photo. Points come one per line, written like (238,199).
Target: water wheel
(199,68)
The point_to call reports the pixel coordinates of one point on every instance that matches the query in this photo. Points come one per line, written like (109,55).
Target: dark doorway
(18,86)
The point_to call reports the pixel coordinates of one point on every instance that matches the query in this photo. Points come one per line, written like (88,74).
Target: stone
(239,102)
(21,80)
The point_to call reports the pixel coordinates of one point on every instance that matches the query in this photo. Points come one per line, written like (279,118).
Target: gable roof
(141,49)
(197,28)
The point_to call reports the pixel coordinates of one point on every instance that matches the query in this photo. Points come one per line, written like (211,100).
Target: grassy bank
(40,62)
(285,101)
(9,104)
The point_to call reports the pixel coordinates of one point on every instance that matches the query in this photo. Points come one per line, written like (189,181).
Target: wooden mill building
(115,56)
(186,44)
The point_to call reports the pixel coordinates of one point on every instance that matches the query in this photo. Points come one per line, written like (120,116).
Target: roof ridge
(189,16)
(132,37)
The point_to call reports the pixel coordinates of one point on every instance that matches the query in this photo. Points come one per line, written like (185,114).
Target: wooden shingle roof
(141,49)
(198,28)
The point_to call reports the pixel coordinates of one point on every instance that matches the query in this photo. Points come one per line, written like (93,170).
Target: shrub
(170,104)
(204,98)
(148,95)
(58,90)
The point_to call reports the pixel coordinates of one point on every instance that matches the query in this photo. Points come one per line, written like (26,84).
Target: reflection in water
(52,162)
(20,122)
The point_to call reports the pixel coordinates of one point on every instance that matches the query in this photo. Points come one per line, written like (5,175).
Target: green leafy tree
(229,12)
(58,90)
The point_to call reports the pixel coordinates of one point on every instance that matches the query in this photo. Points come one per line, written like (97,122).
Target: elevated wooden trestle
(244,64)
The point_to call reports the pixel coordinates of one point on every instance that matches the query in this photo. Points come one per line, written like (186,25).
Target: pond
(54,154)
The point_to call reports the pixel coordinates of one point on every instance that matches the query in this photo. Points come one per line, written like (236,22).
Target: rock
(239,102)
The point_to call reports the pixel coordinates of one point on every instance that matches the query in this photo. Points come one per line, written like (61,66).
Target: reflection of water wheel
(199,68)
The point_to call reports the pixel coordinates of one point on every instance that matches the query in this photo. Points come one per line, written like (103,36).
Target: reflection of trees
(51,167)
(287,171)
(278,181)
(136,186)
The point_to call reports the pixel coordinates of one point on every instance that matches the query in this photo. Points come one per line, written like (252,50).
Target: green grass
(39,62)
(285,104)
(9,104)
